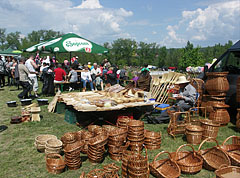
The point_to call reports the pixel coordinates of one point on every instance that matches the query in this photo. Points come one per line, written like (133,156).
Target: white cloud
(154,32)
(218,22)
(89,19)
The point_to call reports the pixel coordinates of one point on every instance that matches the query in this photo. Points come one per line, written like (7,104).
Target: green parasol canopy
(10,51)
(72,43)
(67,43)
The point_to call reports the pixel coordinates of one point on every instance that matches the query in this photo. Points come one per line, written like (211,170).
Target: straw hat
(182,79)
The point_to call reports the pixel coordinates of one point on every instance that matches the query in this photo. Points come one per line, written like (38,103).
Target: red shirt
(59,73)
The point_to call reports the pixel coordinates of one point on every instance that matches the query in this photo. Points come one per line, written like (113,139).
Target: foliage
(191,57)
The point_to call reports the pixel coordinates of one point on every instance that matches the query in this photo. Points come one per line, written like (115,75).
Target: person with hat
(187,94)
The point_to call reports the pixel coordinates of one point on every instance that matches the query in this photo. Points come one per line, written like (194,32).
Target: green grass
(19,158)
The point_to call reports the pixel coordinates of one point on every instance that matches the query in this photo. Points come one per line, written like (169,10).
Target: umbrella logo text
(76,44)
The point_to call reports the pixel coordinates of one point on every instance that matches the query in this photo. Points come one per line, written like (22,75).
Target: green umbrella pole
(70,58)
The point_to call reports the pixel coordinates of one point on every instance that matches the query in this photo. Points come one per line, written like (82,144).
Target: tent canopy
(10,52)
(235,47)
(68,43)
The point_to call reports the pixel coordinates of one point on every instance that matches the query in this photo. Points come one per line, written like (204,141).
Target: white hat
(77,57)
(182,79)
(89,63)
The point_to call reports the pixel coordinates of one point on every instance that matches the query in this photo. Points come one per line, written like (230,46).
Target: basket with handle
(139,161)
(210,128)
(213,157)
(188,161)
(232,150)
(228,172)
(165,168)
(55,163)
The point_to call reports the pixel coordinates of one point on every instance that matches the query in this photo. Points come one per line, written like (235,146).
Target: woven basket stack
(40,141)
(122,122)
(152,140)
(86,136)
(72,150)
(53,146)
(55,163)
(136,134)
(137,165)
(96,148)
(117,143)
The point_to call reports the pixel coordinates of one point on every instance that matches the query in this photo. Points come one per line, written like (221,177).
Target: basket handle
(54,154)
(223,166)
(155,158)
(233,136)
(200,146)
(194,152)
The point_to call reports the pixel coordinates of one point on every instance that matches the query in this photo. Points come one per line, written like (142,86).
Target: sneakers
(70,88)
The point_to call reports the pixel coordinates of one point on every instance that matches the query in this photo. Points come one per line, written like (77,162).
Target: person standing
(32,66)
(96,76)
(2,72)
(60,75)
(23,79)
(73,78)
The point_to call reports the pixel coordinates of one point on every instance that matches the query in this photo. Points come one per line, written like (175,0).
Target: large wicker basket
(232,150)
(165,168)
(194,134)
(228,172)
(55,163)
(213,157)
(188,161)
(210,129)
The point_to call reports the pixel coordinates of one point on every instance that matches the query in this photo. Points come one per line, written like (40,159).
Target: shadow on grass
(84,158)
(3,127)
(233,128)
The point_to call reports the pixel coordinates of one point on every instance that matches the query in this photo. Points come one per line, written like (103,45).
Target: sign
(56,49)
(76,44)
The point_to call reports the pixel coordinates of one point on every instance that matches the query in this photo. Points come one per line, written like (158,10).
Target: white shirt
(30,67)
(96,71)
(86,75)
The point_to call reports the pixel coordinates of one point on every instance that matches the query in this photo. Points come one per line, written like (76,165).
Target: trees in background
(123,51)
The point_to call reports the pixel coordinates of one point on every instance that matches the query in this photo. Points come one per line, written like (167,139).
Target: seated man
(60,75)
(96,76)
(86,77)
(187,95)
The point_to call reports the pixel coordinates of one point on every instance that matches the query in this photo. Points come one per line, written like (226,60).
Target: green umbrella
(71,43)
(36,47)
(11,51)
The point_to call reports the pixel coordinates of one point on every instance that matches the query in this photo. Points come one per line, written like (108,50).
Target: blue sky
(168,23)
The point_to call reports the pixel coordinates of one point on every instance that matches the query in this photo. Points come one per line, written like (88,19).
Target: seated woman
(86,77)
(111,77)
(144,80)
(73,78)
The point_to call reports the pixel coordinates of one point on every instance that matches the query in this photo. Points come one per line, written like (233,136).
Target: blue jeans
(85,82)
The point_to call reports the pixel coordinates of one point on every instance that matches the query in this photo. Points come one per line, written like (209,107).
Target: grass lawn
(19,158)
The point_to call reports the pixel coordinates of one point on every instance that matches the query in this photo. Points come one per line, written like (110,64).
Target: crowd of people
(28,72)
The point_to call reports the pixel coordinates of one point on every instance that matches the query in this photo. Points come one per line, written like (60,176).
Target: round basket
(232,150)
(115,156)
(188,161)
(135,123)
(68,138)
(210,128)
(100,131)
(111,170)
(109,128)
(92,127)
(194,134)
(78,135)
(55,163)
(54,143)
(153,147)
(213,157)
(96,173)
(138,161)
(40,141)
(152,135)
(228,171)
(164,168)
(73,147)
(98,141)
(87,135)
(118,132)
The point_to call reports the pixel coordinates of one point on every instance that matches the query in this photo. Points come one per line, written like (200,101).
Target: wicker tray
(228,172)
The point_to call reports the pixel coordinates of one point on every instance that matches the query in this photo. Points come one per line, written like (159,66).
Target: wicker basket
(194,134)
(55,163)
(91,128)
(188,161)
(78,135)
(165,168)
(210,129)
(98,141)
(213,157)
(228,172)
(232,150)
(96,173)
(111,170)
(68,138)
(40,141)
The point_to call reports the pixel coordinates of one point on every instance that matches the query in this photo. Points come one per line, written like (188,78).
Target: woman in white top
(86,77)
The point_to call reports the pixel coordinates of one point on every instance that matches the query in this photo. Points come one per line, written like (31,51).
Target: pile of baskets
(135,165)
(72,149)
(40,141)
(96,148)
(136,134)
(55,163)
(53,146)
(86,136)
(152,140)
(122,122)
(117,143)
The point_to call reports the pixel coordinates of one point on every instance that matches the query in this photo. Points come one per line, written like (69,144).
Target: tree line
(123,51)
